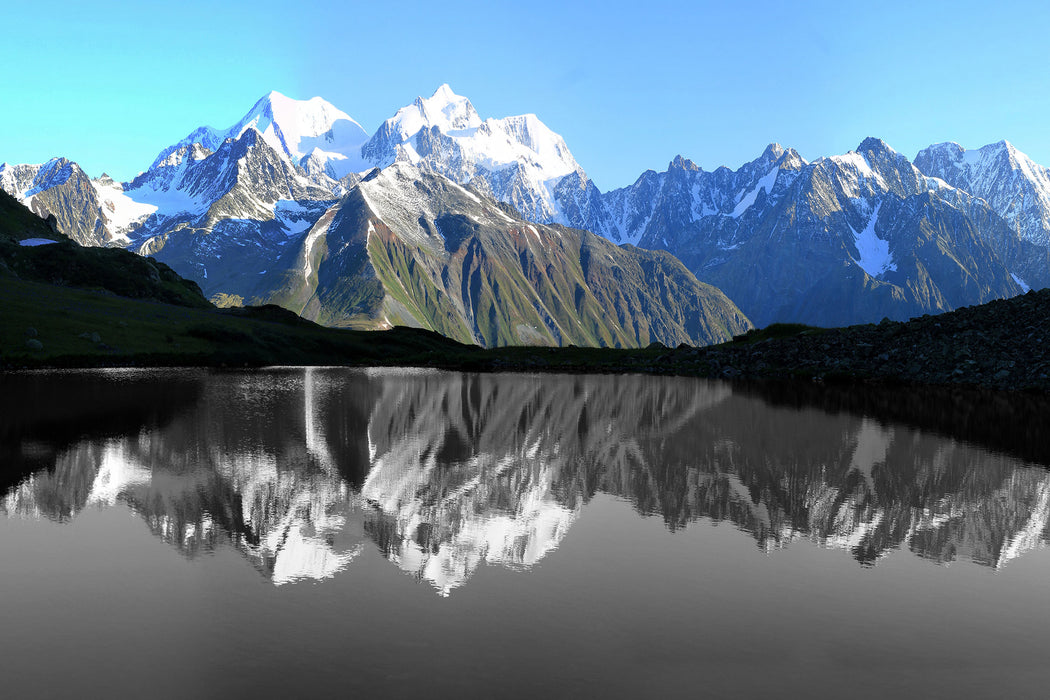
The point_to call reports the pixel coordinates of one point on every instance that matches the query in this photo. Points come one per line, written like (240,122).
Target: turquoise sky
(628,84)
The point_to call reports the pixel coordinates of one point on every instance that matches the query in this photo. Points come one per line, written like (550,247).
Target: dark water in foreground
(417,533)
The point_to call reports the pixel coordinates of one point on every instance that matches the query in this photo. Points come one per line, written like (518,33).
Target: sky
(629,85)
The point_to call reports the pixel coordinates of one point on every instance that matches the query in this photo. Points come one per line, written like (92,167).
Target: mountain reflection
(301,470)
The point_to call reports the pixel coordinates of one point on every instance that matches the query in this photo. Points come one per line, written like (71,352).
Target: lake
(293,531)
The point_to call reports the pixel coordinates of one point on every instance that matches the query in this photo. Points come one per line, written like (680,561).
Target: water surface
(189,533)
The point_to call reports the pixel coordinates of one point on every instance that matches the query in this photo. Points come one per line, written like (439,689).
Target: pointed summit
(876,146)
(773,151)
(680,163)
(444,109)
(444,92)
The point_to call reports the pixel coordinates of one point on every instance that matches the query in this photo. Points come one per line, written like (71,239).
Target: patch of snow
(470,195)
(766,183)
(853,170)
(319,229)
(874,253)
(170,202)
(293,216)
(1021,283)
(121,211)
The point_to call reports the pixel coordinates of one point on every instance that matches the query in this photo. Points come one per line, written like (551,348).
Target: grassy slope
(496,290)
(144,332)
(98,306)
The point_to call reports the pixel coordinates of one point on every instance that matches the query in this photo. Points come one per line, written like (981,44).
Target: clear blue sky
(628,84)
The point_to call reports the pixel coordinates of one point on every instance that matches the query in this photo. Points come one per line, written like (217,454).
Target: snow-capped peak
(444,109)
(515,159)
(875,145)
(1016,187)
(296,128)
(293,121)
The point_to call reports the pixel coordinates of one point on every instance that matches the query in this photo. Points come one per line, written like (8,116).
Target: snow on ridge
(857,162)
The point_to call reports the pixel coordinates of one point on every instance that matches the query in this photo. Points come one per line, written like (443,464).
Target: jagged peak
(57,162)
(773,151)
(444,109)
(963,157)
(791,159)
(876,146)
(951,147)
(681,163)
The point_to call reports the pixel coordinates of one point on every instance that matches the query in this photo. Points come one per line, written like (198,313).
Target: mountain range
(479,228)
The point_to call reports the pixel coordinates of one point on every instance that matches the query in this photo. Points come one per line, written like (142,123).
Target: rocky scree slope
(999,345)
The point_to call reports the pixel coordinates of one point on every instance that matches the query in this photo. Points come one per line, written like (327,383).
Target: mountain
(245,179)
(845,239)
(60,188)
(1015,187)
(408,246)
(517,160)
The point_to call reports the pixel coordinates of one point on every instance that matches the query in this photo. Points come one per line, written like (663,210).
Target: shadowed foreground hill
(998,345)
(71,306)
(67,263)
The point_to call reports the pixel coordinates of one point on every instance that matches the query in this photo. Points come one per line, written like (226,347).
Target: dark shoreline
(996,346)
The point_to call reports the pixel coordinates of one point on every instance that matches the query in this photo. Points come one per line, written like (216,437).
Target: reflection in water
(444,472)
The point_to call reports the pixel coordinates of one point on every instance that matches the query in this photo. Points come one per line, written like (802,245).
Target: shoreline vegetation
(998,345)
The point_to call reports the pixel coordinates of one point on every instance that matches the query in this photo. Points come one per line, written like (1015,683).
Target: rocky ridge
(999,345)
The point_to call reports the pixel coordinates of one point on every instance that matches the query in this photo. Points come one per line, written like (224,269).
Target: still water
(185,533)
